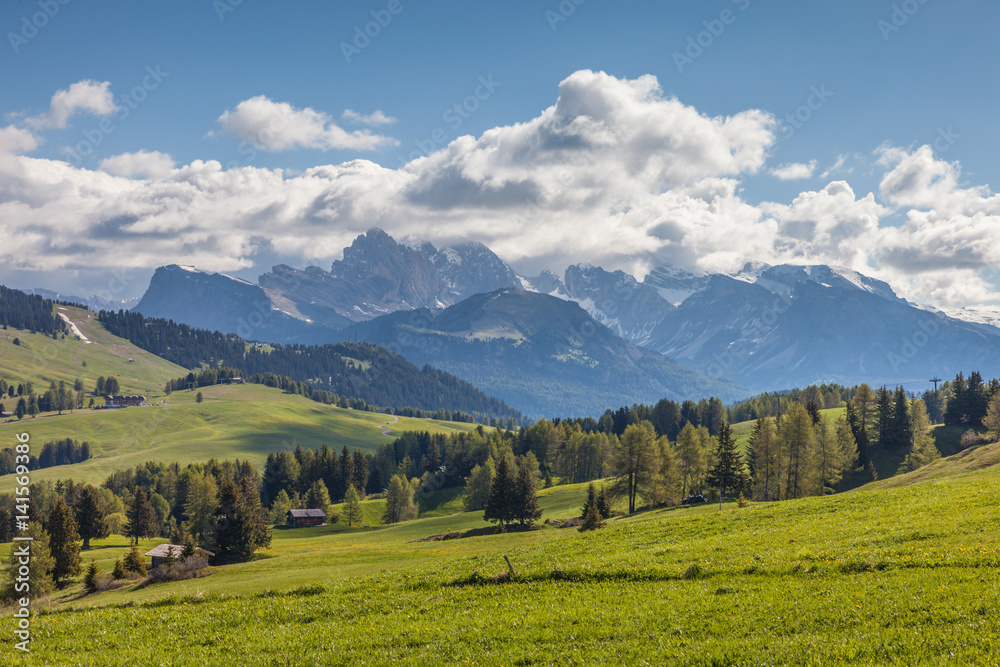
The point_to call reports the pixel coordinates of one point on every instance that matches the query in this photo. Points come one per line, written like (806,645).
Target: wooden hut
(302,518)
(160,553)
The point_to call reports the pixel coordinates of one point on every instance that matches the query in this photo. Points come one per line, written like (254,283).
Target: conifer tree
(118,572)
(134,562)
(591,519)
(635,463)
(477,488)
(603,506)
(525,501)
(725,474)
(902,435)
(318,497)
(63,542)
(90,578)
(992,420)
(796,438)
(142,521)
(500,507)
(955,411)
(399,503)
(591,500)
(352,506)
(90,516)
(200,506)
(692,458)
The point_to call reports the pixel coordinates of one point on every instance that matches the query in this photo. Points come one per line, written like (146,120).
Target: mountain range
(677,333)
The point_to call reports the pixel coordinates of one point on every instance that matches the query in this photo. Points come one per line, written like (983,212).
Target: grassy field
(234,421)
(903,572)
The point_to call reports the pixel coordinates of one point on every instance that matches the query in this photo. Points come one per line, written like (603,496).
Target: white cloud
(836,167)
(89,96)
(16,140)
(794,171)
(373,119)
(278,126)
(613,173)
(151,164)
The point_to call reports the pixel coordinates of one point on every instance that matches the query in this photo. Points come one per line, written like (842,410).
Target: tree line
(28,311)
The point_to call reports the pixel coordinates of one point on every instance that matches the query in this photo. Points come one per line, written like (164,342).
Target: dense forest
(357,370)
(26,311)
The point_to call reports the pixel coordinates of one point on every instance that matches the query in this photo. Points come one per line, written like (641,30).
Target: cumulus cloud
(88,96)
(151,164)
(278,126)
(614,173)
(373,119)
(16,140)
(794,171)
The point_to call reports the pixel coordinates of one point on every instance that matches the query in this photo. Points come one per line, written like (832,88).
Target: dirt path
(75,329)
(385,431)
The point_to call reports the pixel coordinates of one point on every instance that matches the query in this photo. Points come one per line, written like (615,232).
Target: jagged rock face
(800,325)
(378,275)
(218,302)
(629,308)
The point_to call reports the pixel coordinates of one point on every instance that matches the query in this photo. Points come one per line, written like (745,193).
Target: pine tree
(902,435)
(603,506)
(591,519)
(242,527)
(280,508)
(199,398)
(500,507)
(955,410)
(725,475)
(90,578)
(352,506)
(119,570)
(862,410)
(63,542)
(884,415)
(189,546)
(200,506)
(525,501)
(591,500)
(134,562)
(142,521)
(90,516)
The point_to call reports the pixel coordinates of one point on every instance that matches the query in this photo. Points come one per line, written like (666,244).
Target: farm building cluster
(124,400)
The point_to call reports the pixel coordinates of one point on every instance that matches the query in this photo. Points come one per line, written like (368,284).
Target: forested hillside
(25,311)
(359,370)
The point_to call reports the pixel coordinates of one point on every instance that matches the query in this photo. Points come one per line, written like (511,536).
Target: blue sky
(898,74)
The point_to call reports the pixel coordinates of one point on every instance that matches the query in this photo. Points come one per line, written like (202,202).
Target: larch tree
(200,506)
(863,410)
(477,488)
(763,447)
(923,450)
(399,503)
(635,463)
(40,572)
(797,440)
(992,420)
(352,506)
(692,458)
(829,458)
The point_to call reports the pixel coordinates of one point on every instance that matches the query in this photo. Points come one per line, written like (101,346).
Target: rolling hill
(897,572)
(245,421)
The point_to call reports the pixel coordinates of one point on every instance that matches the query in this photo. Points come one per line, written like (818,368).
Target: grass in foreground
(904,574)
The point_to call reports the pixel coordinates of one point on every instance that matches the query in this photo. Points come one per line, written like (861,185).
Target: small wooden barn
(302,518)
(160,553)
